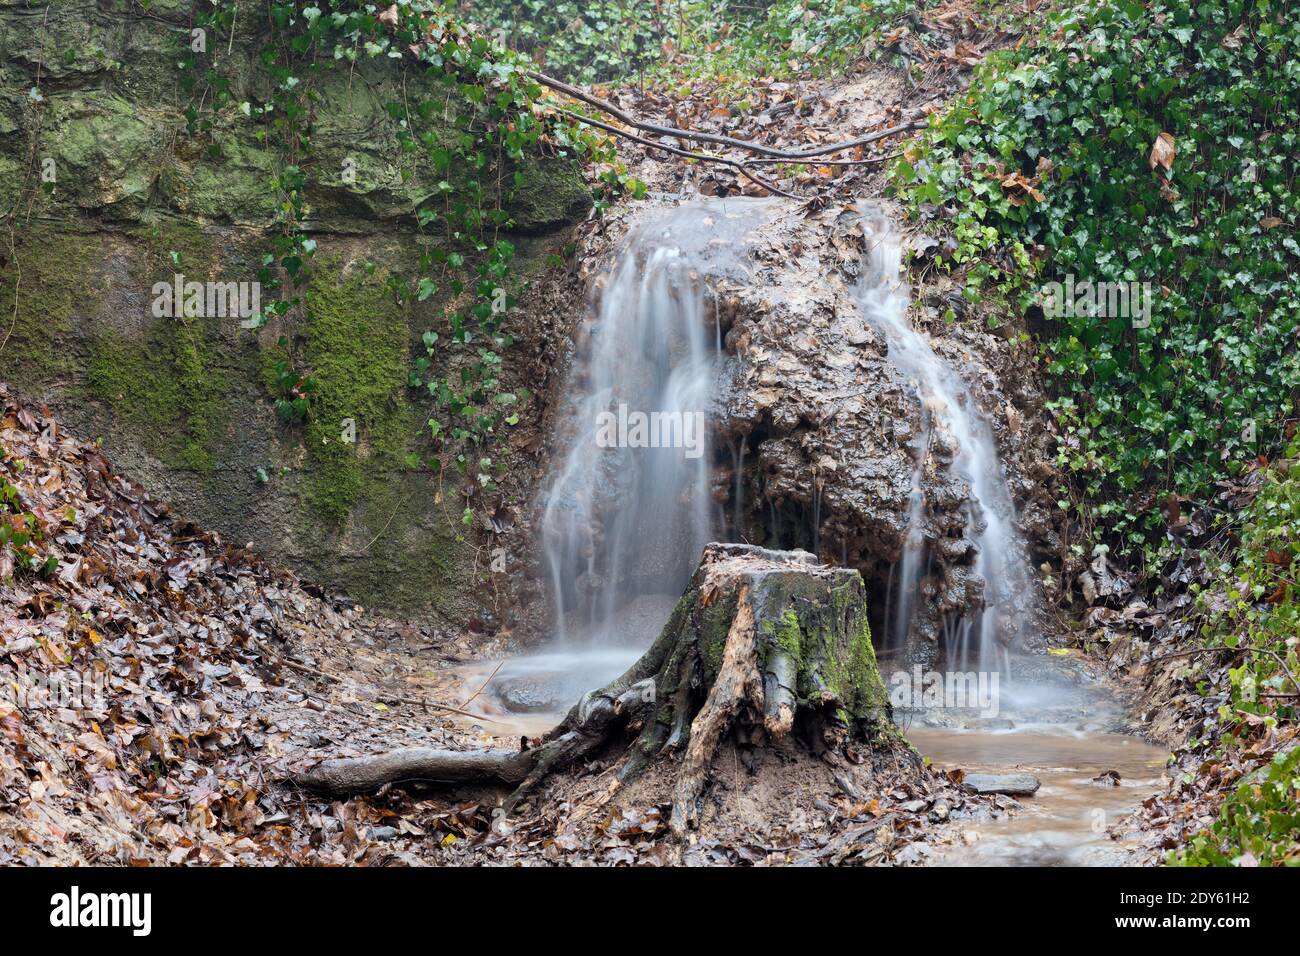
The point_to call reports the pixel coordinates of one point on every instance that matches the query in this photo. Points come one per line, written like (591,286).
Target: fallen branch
(349,775)
(524,768)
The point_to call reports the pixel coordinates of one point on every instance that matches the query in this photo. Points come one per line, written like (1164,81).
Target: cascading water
(949,418)
(624,520)
(630,505)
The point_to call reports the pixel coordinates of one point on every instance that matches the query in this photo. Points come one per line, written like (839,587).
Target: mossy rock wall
(187,405)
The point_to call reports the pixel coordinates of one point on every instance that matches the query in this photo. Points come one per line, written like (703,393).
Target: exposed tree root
(737,682)
(760,153)
(770,152)
(764,645)
(524,768)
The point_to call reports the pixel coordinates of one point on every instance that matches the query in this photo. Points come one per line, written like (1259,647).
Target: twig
(468,700)
(326,675)
(380,532)
(18,280)
(1195,650)
(1247,649)
(828,162)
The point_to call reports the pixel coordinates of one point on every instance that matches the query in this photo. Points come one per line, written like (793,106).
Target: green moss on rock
(182,401)
(168,384)
(234,183)
(106,150)
(358,351)
(169,390)
(53,278)
(552,194)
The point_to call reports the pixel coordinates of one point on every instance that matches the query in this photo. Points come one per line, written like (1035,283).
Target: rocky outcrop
(825,432)
(108,193)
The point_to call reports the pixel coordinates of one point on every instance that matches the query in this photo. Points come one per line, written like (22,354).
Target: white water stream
(951,422)
(630,505)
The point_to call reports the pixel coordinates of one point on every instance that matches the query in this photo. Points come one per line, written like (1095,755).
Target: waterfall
(629,507)
(950,419)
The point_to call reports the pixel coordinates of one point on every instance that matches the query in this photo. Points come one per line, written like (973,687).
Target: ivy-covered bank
(1145,148)
(679,42)
(1148,148)
(140,142)
(1250,611)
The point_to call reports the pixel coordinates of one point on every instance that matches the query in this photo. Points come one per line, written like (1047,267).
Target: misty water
(628,508)
(626,520)
(951,421)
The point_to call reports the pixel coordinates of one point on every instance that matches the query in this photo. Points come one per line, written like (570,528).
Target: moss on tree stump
(764,644)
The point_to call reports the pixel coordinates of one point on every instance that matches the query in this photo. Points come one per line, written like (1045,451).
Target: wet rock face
(828,430)
(810,382)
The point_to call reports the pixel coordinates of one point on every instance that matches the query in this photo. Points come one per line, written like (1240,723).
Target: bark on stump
(764,643)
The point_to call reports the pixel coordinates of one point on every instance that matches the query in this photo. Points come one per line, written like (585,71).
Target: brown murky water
(1067,822)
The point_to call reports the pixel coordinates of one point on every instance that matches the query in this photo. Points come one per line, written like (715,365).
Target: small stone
(1107,778)
(990,723)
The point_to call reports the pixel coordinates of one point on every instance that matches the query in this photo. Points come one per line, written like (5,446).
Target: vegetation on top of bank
(676,41)
(1148,143)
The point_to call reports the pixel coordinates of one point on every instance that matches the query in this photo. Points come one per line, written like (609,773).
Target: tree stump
(767,644)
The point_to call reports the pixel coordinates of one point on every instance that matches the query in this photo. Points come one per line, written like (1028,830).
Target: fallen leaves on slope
(143,711)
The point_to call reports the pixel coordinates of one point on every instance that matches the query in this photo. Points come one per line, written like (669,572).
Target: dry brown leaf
(1162,152)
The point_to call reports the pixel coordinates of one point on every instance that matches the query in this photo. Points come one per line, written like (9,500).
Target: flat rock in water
(1012,784)
(536,693)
